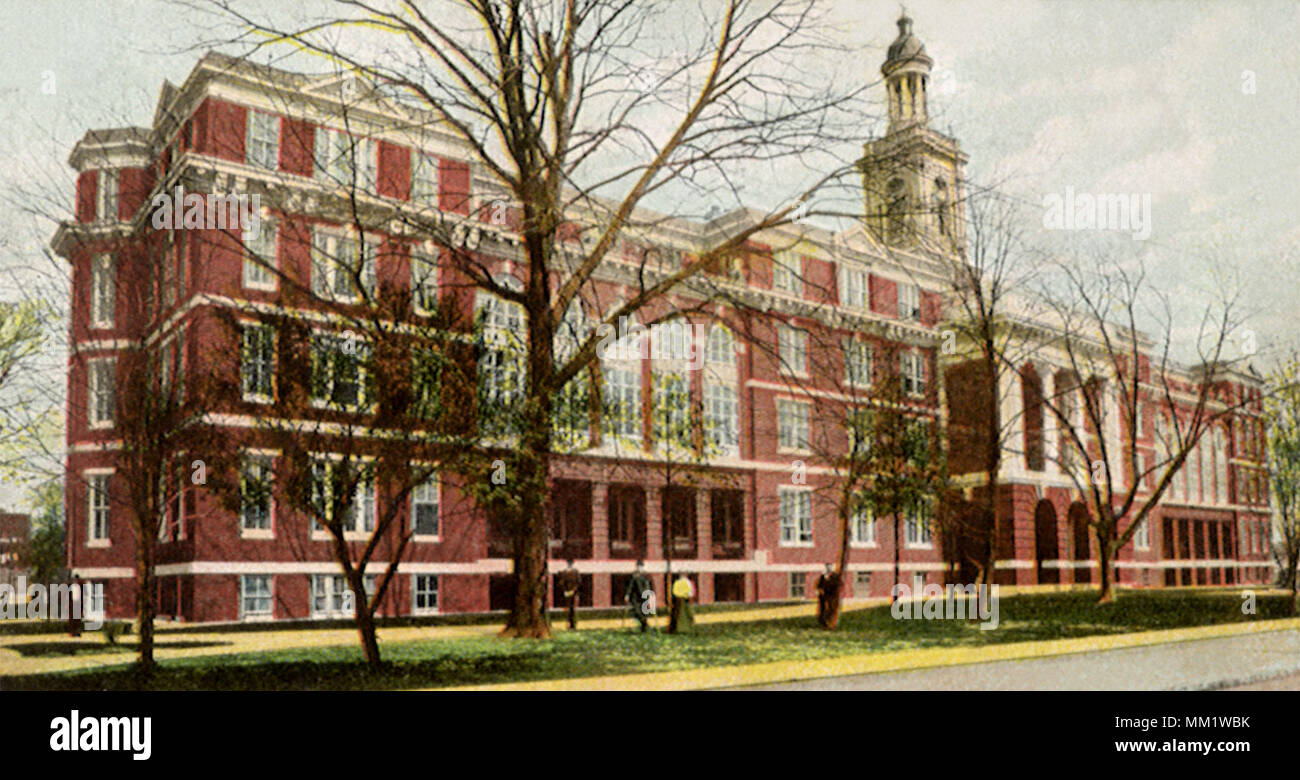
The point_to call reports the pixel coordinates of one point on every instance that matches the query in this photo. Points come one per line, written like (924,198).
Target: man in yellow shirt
(680,616)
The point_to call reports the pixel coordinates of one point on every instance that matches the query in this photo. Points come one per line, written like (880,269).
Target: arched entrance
(1078,517)
(1046,546)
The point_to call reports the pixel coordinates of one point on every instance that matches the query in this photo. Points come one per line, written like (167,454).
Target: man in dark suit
(640,596)
(568,582)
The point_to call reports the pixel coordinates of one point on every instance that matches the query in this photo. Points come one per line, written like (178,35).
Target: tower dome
(905,48)
(907,77)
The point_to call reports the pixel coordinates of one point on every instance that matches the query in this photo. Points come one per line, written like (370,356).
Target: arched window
(721,349)
(1031,387)
(1220,466)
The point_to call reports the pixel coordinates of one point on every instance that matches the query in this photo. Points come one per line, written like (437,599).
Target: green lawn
(448,662)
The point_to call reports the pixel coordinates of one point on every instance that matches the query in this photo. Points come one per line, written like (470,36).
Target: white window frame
(262,140)
(335,153)
(622,388)
(912,371)
(106,195)
(855,288)
(794,517)
(255,395)
(722,416)
(863,518)
(797,424)
(417,592)
(917,533)
(787,273)
(792,350)
(99,514)
(909,302)
(331,280)
(427,492)
(1142,536)
(364,507)
(336,591)
(245,580)
(424,170)
(856,352)
(424,281)
(263,246)
(264,462)
(101,392)
(720,347)
(103,291)
(797,585)
(323,345)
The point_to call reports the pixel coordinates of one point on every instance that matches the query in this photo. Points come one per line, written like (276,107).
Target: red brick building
(748,530)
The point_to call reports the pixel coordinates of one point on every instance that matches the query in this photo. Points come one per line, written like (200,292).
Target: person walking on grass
(640,596)
(568,583)
(680,619)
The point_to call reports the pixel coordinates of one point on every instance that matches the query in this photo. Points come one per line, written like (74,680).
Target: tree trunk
(1293,561)
(144,601)
(1105,554)
(528,613)
(365,619)
(832,617)
(898,543)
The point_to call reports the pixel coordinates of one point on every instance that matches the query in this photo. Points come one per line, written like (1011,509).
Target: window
(257,367)
(912,370)
(916,526)
(862,527)
(327,486)
(97,500)
(424,179)
(173,259)
(263,146)
(102,376)
(106,196)
(1220,466)
(332,596)
(721,347)
(424,507)
(796,517)
(255,493)
(501,366)
(854,288)
(339,376)
(861,584)
(424,282)
(909,302)
(792,425)
(622,412)
(792,347)
(787,273)
(346,161)
(260,255)
(671,421)
(426,384)
(722,417)
(340,270)
(1142,536)
(424,593)
(671,340)
(254,595)
(857,363)
(798,585)
(103,289)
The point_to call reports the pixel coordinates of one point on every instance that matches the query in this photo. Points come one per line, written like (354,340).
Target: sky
(1193,104)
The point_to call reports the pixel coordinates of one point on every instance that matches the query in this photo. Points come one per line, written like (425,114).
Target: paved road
(1238,663)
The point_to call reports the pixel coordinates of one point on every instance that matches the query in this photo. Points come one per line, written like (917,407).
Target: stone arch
(1046,543)
(1079,544)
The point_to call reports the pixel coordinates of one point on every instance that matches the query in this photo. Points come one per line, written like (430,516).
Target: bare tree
(1282,415)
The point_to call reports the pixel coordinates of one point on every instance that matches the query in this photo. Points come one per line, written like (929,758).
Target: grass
(450,662)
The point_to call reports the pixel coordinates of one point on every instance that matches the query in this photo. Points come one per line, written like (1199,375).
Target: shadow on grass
(50,649)
(574,655)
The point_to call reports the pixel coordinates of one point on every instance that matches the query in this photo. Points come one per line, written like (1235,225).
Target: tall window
(257,368)
(909,302)
(339,376)
(340,270)
(792,424)
(671,422)
(255,493)
(916,527)
(424,179)
(912,370)
(424,507)
(502,370)
(263,145)
(795,516)
(786,273)
(721,349)
(101,395)
(1220,466)
(424,281)
(424,593)
(97,506)
(862,527)
(106,196)
(103,291)
(722,417)
(622,404)
(254,595)
(1142,536)
(332,596)
(346,161)
(798,585)
(260,256)
(792,347)
(857,362)
(853,288)
(328,483)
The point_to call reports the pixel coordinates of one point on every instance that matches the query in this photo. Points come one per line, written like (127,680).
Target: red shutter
(394,171)
(297,140)
(931,308)
(884,296)
(453,192)
(227,130)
